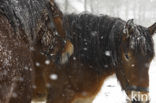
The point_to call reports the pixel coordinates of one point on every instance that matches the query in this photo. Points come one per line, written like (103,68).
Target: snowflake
(133,65)
(47,62)
(74,58)
(106,66)
(107,53)
(85,49)
(94,33)
(53,76)
(37,64)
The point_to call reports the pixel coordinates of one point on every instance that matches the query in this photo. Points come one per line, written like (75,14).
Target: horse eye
(127,57)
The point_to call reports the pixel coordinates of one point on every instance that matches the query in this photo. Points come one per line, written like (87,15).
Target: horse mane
(102,34)
(97,38)
(24,14)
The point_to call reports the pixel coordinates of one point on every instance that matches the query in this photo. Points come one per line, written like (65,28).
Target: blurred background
(142,11)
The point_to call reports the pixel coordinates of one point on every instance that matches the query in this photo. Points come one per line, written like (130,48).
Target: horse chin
(138,97)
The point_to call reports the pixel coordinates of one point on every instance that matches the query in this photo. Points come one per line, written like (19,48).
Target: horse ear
(128,28)
(152,29)
(130,24)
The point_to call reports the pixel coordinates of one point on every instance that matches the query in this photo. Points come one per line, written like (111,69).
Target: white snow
(133,65)
(94,33)
(74,58)
(101,37)
(34,86)
(107,53)
(106,66)
(47,62)
(85,49)
(53,76)
(26,68)
(110,92)
(37,64)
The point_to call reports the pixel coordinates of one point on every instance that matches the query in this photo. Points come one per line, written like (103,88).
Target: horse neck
(93,35)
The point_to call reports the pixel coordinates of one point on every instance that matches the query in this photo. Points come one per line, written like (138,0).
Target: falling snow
(26,68)
(107,53)
(53,76)
(94,33)
(48,85)
(85,49)
(47,62)
(74,58)
(111,89)
(102,37)
(133,65)
(106,66)
(34,86)
(37,64)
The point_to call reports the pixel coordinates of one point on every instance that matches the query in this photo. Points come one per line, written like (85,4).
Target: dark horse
(103,46)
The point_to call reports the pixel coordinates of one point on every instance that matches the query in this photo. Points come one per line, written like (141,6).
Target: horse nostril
(136,101)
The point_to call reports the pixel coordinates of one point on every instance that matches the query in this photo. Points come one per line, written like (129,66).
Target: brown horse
(22,24)
(19,23)
(102,46)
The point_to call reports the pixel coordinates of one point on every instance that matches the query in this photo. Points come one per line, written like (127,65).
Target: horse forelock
(142,42)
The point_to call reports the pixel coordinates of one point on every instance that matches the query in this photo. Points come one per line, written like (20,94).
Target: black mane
(97,39)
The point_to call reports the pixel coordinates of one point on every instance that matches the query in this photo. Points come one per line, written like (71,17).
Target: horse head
(137,53)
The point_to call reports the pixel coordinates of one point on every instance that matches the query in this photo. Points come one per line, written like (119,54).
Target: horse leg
(15,64)
(23,89)
(39,85)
